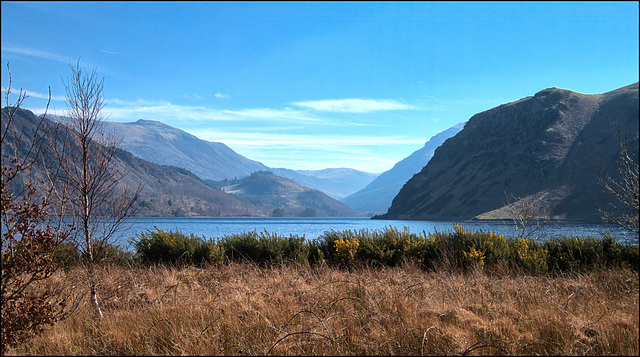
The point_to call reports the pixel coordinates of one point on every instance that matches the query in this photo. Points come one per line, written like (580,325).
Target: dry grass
(243,309)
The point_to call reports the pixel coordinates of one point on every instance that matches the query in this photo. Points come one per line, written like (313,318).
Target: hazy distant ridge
(166,145)
(377,195)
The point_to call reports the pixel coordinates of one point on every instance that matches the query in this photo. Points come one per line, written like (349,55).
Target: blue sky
(318,84)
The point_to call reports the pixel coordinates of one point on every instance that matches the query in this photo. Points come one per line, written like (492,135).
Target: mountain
(544,146)
(283,197)
(168,191)
(166,145)
(335,182)
(377,195)
(174,191)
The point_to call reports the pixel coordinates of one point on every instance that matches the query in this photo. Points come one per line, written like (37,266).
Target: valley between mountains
(544,146)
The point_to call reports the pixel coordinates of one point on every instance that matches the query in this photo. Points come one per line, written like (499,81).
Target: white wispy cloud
(221,96)
(312,151)
(354,105)
(192,97)
(35,53)
(160,110)
(365,124)
(310,141)
(274,114)
(115,53)
(30,93)
(44,96)
(166,111)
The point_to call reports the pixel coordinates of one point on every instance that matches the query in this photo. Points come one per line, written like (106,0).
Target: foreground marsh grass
(298,309)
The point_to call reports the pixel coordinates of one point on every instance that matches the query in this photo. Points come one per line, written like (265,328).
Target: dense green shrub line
(459,249)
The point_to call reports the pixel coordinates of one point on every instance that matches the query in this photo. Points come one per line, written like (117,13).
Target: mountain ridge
(283,197)
(167,190)
(539,145)
(163,144)
(379,193)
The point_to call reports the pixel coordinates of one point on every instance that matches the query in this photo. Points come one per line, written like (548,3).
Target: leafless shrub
(529,214)
(29,237)
(625,209)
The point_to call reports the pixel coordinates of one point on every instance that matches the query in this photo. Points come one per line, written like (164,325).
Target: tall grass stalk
(299,309)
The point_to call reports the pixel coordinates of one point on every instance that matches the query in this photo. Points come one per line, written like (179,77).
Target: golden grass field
(293,309)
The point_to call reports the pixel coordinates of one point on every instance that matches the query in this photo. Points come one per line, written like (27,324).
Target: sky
(314,85)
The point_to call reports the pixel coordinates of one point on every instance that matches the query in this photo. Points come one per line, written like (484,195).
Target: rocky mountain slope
(544,146)
(168,190)
(166,145)
(283,197)
(377,196)
(173,191)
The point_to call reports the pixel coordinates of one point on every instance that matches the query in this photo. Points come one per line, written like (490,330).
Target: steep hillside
(283,197)
(168,191)
(173,191)
(166,145)
(540,146)
(377,195)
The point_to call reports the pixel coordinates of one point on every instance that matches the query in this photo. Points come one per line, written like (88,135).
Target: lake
(311,228)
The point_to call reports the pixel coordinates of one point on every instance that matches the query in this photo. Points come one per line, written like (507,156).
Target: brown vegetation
(293,309)
(29,236)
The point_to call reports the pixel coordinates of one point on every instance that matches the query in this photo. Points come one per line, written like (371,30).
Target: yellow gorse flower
(346,249)
(217,254)
(474,257)
(529,257)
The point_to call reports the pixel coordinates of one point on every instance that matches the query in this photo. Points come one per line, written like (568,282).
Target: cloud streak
(354,105)
(44,96)
(278,137)
(280,150)
(35,53)
(169,112)
(115,53)
(326,142)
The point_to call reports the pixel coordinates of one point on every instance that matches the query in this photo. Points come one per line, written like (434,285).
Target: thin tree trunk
(94,300)
(90,270)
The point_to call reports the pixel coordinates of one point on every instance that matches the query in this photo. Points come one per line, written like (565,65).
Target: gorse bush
(388,247)
(68,254)
(457,250)
(265,247)
(158,246)
(580,254)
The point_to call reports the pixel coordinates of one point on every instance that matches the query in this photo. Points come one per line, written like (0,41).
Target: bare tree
(624,210)
(528,213)
(29,236)
(90,171)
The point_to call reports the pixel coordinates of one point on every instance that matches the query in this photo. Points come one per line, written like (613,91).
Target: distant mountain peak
(274,193)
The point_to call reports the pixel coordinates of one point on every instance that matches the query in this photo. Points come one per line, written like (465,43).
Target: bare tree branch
(29,237)
(86,155)
(624,189)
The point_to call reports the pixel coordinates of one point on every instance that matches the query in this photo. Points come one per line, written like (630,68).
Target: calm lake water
(311,228)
